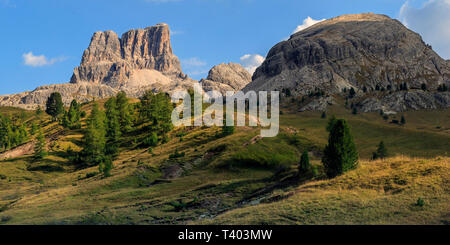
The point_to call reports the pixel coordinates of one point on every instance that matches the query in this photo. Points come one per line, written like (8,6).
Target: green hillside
(200,177)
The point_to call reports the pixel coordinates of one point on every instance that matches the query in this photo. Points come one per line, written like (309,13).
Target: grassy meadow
(240,178)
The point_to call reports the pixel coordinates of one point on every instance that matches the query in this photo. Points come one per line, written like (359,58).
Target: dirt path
(24,149)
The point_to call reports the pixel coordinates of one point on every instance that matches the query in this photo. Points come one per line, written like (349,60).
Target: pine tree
(55,106)
(324,115)
(94,141)
(113,131)
(423,86)
(5,128)
(403,120)
(382,151)
(340,154)
(227,130)
(105,167)
(352,92)
(72,116)
(39,147)
(124,110)
(331,123)
(304,165)
(34,128)
(151,140)
(39,111)
(156,109)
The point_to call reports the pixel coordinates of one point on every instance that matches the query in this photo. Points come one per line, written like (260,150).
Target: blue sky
(42,41)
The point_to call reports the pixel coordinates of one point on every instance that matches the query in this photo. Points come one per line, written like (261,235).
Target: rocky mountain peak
(105,46)
(367,52)
(111,60)
(226,77)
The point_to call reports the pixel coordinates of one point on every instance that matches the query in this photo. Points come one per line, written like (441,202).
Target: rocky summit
(388,66)
(226,77)
(117,62)
(141,59)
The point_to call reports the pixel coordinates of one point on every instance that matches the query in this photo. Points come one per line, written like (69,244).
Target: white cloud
(197,72)
(175,32)
(306,23)
(251,61)
(432,21)
(193,62)
(39,60)
(194,67)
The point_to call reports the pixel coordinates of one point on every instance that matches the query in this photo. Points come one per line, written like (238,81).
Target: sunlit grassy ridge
(238,179)
(378,192)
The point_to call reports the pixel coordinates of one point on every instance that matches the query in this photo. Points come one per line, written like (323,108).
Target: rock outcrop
(226,77)
(82,92)
(368,52)
(113,61)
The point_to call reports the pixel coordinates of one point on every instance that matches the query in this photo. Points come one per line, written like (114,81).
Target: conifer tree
(340,154)
(105,167)
(304,165)
(382,151)
(94,141)
(72,116)
(113,131)
(124,109)
(34,128)
(39,111)
(55,106)
(403,120)
(40,145)
(331,123)
(157,109)
(227,130)
(352,92)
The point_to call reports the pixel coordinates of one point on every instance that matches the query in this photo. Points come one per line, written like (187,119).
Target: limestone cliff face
(368,52)
(112,60)
(226,77)
(140,60)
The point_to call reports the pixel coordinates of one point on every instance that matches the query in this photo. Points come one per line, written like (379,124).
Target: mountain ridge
(366,52)
(140,60)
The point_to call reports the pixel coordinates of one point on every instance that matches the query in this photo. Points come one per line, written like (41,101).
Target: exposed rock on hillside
(226,77)
(365,51)
(82,92)
(402,101)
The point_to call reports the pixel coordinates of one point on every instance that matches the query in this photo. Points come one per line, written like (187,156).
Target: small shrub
(91,174)
(315,171)
(176,154)
(105,167)
(420,202)
(178,206)
(151,140)
(6,218)
(304,165)
(165,139)
(218,148)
